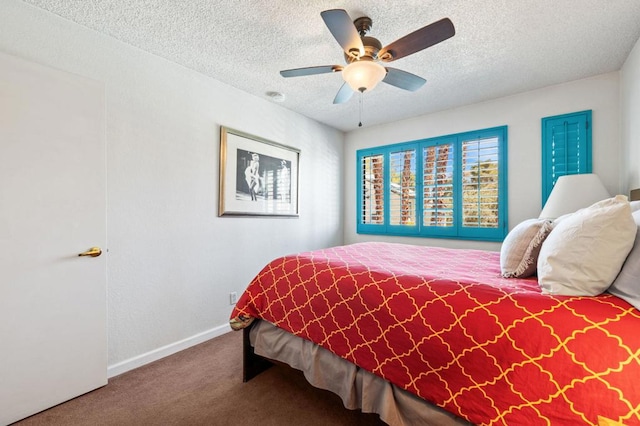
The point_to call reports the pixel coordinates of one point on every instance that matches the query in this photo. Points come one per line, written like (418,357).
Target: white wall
(522,113)
(172,262)
(630,109)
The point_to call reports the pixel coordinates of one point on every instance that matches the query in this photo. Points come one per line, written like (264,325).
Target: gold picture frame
(258,177)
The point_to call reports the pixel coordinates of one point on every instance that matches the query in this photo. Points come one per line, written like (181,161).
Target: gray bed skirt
(358,388)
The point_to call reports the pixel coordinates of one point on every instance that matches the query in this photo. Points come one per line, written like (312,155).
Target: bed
(438,336)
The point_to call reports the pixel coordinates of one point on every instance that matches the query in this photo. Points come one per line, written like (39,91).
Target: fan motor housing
(371,48)
(371,44)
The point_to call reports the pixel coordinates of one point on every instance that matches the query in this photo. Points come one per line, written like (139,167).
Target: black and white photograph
(257,176)
(262,177)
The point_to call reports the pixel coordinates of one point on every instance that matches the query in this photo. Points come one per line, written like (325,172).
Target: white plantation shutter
(438,185)
(402,194)
(480,197)
(372,190)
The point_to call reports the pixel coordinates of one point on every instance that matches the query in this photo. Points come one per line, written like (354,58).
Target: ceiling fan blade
(418,40)
(345,33)
(343,95)
(402,79)
(323,69)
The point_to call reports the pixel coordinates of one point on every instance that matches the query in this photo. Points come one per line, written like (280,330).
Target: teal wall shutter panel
(566,148)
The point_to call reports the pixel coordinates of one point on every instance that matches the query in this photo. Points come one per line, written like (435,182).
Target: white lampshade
(363,75)
(572,193)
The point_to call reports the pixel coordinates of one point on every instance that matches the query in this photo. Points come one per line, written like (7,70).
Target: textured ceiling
(501,47)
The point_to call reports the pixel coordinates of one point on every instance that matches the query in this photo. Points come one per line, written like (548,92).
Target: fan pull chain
(360,116)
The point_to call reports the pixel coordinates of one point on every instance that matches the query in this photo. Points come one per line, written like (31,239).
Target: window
(451,186)
(566,148)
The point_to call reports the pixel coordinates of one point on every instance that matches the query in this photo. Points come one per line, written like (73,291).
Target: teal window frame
(419,229)
(579,146)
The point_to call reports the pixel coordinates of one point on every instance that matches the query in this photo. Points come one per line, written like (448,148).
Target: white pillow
(627,283)
(585,251)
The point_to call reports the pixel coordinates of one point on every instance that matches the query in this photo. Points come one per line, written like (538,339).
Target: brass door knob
(92,252)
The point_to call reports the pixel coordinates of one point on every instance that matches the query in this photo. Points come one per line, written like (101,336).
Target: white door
(53,343)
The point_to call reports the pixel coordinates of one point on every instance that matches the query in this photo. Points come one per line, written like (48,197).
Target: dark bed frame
(252,364)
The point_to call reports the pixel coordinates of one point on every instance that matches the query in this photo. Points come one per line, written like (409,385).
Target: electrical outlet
(233,298)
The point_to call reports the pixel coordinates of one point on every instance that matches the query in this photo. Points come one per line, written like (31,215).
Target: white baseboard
(170,349)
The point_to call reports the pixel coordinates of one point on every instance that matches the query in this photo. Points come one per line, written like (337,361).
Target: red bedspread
(443,324)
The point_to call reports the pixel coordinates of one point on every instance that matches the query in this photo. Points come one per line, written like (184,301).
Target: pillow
(519,251)
(627,284)
(584,252)
(635,205)
(561,218)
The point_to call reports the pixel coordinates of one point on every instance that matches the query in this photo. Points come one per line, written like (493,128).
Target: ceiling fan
(363,54)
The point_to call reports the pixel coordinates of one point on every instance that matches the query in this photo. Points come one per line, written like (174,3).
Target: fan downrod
(363,25)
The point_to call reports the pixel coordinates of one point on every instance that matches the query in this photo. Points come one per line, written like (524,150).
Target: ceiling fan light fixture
(363,75)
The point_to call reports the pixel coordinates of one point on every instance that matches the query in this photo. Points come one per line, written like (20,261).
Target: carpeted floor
(203,386)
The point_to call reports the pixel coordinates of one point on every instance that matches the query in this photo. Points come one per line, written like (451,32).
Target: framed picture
(258,177)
